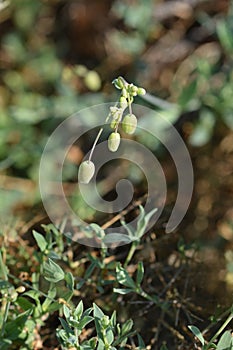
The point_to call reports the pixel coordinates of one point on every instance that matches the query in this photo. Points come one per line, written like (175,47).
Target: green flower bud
(20,289)
(119,83)
(113,124)
(114,141)
(86,171)
(129,123)
(123,102)
(13,295)
(124,93)
(141,91)
(133,90)
(105,321)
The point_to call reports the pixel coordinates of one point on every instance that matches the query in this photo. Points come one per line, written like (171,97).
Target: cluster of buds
(128,124)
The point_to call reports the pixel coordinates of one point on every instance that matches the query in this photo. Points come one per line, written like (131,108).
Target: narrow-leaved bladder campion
(116,119)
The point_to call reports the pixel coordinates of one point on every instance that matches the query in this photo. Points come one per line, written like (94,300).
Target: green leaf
(225,35)
(24,303)
(126,327)
(163,347)
(34,294)
(187,93)
(112,321)
(101,345)
(109,336)
(79,310)
(66,312)
(98,316)
(98,230)
(69,278)
(196,331)
(129,229)
(98,313)
(40,240)
(143,221)
(122,291)
(123,277)
(50,296)
(141,344)
(66,326)
(113,238)
(84,321)
(225,342)
(53,272)
(140,273)
(203,130)
(15,327)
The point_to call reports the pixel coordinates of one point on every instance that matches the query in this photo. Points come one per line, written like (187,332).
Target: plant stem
(228,320)
(95,142)
(98,136)
(5,317)
(131,252)
(130,105)
(3,271)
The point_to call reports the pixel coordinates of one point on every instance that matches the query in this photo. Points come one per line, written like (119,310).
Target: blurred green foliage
(38,88)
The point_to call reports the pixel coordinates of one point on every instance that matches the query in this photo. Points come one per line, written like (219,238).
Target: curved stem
(98,136)
(228,320)
(94,144)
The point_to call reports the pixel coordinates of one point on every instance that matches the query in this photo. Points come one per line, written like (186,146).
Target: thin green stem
(228,320)
(3,269)
(131,253)
(77,337)
(7,305)
(5,317)
(94,144)
(98,136)
(130,104)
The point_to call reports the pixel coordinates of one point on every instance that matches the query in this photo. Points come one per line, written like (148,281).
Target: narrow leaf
(140,273)
(122,291)
(196,331)
(98,313)
(40,240)
(124,278)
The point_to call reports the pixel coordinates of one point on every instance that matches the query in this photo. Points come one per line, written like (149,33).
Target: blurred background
(59,56)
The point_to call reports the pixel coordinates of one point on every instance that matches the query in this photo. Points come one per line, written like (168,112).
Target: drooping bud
(124,93)
(129,123)
(119,83)
(21,289)
(141,91)
(113,124)
(114,141)
(123,102)
(86,171)
(133,90)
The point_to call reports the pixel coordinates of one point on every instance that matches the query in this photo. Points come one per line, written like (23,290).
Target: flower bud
(123,102)
(114,141)
(21,289)
(119,83)
(141,91)
(86,171)
(133,90)
(124,92)
(113,124)
(129,123)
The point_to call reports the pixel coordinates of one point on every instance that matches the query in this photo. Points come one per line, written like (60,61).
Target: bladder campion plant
(116,118)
